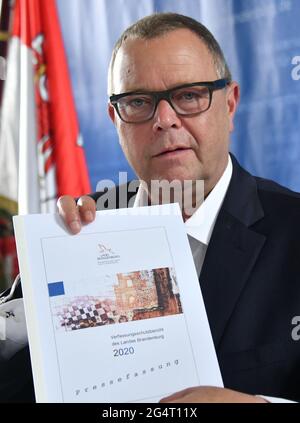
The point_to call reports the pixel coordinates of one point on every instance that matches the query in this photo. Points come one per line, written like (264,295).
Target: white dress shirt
(200,225)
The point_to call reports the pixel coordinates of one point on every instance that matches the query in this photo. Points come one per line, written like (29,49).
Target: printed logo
(104,249)
(106,255)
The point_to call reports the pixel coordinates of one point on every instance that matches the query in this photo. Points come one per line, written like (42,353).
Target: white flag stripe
(9,130)
(37,190)
(29,195)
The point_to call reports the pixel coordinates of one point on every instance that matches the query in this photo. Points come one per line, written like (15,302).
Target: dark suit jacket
(250,282)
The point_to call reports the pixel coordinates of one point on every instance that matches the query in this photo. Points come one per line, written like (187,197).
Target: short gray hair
(158,24)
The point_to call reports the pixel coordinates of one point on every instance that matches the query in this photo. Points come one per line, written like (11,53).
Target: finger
(177,395)
(87,209)
(173,396)
(173,401)
(68,210)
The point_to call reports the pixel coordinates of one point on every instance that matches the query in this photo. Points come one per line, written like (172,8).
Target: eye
(190,95)
(137,102)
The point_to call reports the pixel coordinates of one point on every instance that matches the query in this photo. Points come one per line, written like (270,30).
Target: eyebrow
(143,89)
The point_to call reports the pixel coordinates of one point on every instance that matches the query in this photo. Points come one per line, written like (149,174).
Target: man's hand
(207,394)
(75,215)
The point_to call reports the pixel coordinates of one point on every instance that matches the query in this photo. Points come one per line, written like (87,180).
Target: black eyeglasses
(186,100)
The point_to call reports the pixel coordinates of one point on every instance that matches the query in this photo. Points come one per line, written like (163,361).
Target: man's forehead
(173,56)
(171,45)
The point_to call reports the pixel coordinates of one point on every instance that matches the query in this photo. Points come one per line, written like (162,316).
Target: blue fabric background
(261,41)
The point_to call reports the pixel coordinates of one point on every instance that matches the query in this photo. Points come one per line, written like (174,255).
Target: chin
(178,176)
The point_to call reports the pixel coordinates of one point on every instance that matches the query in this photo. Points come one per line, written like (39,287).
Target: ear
(232,99)
(111,113)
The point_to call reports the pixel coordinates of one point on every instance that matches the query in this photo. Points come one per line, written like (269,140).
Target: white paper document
(115,313)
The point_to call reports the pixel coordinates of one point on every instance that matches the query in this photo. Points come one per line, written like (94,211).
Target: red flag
(60,156)
(41,152)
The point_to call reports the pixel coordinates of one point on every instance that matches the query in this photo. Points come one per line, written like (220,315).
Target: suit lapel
(232,252)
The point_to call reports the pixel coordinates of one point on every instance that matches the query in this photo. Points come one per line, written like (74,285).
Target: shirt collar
(201,224)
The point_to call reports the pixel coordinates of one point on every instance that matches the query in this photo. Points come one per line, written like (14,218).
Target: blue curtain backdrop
(261,41)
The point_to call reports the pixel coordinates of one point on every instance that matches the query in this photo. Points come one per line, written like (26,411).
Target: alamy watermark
(2,68)
(188,194)
(2,328)
(296,329)
(296,69)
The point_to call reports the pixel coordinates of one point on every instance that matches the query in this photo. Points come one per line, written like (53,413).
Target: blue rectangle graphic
(56,288)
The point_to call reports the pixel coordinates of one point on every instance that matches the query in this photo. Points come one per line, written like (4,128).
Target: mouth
(172,152)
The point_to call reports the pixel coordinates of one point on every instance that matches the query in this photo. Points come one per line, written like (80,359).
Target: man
(173,102)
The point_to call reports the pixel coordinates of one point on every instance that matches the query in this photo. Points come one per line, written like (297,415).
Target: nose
(165,117)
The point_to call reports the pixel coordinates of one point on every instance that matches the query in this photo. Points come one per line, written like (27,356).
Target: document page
(115,313)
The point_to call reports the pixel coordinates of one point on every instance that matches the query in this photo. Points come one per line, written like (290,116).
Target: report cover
(115,313)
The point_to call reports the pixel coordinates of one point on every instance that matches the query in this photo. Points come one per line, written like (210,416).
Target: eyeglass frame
(166,95)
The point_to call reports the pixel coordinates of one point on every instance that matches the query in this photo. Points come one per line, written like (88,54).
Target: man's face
(200,143)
